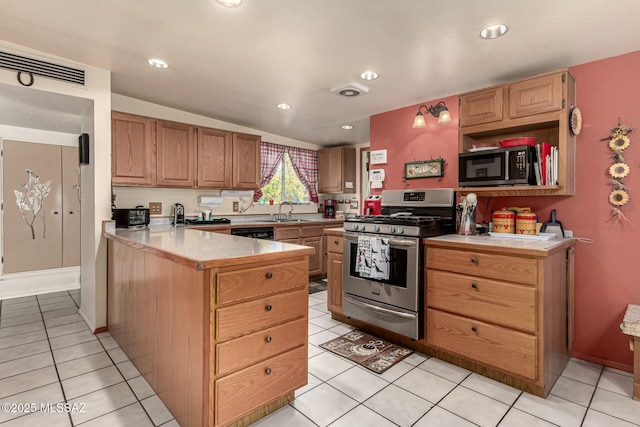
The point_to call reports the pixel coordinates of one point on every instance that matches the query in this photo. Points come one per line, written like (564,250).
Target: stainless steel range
(383,275)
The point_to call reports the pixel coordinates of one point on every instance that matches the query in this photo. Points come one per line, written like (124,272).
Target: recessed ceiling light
(284,106)
(347,127)
(230,3)
(493,31)
(158,63)
(369,75)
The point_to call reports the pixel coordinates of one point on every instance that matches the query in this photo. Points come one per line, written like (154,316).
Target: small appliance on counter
(131,218)
(330,207)
(373,205)
(178,214)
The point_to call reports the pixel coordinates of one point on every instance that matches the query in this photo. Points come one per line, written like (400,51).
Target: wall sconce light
(439,110)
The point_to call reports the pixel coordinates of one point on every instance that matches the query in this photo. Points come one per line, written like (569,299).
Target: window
(285,186)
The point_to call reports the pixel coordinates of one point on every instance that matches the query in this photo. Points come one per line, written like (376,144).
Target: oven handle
(380,309)
(392,242)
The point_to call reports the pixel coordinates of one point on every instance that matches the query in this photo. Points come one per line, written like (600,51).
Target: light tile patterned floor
(47,354)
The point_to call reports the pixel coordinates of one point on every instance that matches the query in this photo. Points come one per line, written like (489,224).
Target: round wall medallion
(575,121)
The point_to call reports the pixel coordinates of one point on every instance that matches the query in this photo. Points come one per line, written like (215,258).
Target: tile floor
(47,354)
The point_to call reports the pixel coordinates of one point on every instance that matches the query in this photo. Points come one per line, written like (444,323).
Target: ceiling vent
(350,90)
(12,62)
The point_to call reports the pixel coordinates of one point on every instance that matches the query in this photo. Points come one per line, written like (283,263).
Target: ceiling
(237,64)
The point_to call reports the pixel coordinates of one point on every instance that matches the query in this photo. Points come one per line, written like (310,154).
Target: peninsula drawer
(254,282)
(501,348)
(484,299)
(495,266)
(244,351)
(335,244)
(238,394)
(252,316)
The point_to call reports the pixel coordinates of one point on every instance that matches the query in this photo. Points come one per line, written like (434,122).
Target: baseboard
(604,362)
(89,323)
(39,282)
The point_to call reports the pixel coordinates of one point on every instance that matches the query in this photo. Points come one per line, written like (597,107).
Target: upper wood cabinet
(246,161)
(337,170)
(133,159)
(214,158)
(158,153)
(534,107)
(481,107)
(176,155)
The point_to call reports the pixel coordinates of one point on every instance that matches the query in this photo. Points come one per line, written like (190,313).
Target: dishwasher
(265,233)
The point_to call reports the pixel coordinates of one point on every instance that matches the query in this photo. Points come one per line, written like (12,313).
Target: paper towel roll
(209,201)
(236,193)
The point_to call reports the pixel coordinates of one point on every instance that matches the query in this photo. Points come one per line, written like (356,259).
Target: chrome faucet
(280,210)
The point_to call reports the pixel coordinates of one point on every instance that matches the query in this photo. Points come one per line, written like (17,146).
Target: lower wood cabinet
(335,246)
(505,312)
(219,346)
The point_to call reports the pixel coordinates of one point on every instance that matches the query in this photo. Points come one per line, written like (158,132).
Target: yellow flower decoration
(618,197)
(619,143)
(619,170)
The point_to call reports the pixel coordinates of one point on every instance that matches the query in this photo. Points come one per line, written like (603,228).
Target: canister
(503,221)
(526,223)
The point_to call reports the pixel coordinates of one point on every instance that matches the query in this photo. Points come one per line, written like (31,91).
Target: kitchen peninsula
(217,324)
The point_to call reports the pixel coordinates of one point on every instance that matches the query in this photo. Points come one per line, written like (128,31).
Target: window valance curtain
(270,158)
(304,162)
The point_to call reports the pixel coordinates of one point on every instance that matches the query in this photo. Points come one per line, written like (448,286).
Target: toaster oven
(131,217)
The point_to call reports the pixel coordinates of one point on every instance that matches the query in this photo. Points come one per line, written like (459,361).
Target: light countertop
(486,242)
(203,249)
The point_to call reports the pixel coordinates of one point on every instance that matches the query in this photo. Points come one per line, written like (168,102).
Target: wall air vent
(10,61)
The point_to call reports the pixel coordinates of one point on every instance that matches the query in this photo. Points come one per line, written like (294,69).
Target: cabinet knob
(269,275)
(55,212)
(268,339)
(474,260)
(474,286)
(70,212)
(335,242)
(474,329)
(267,371)
(268,307)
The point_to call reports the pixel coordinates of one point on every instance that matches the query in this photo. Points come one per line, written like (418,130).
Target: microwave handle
(506,165)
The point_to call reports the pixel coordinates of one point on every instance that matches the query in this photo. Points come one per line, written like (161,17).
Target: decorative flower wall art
(619,195)
(31,202)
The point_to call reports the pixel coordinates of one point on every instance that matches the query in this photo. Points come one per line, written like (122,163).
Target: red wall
(608,269)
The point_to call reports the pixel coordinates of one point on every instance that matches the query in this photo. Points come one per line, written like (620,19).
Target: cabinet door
(330,170)
(214,158)
(315,265)
(246,162)
(176,155)
(481,107)
(132,150)
(537,95)
(32,200)
(334,282)
(70,207)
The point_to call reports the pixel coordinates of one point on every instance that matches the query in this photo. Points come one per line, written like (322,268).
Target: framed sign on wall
(424,169)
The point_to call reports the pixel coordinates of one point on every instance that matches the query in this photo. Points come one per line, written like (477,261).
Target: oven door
(398,320)
(405,265)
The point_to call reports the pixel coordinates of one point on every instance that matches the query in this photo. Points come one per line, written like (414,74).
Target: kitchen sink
(285,220)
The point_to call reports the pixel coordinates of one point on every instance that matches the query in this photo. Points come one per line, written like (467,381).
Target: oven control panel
(397,230)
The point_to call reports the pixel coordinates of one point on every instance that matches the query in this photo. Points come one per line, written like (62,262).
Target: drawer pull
(474,260)
(335,242)
(267,371)
(268,307)
(268,339)
(474,286)
(269,275)
(474,329)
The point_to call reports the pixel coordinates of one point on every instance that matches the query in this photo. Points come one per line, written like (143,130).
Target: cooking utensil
(553,226)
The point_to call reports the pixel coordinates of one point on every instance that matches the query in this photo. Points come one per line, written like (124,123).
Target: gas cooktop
(416,220)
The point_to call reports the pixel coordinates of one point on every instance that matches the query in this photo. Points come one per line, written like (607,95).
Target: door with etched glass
(32,206)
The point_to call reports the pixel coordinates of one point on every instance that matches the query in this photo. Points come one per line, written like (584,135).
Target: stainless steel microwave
(131,218)
(502,166)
